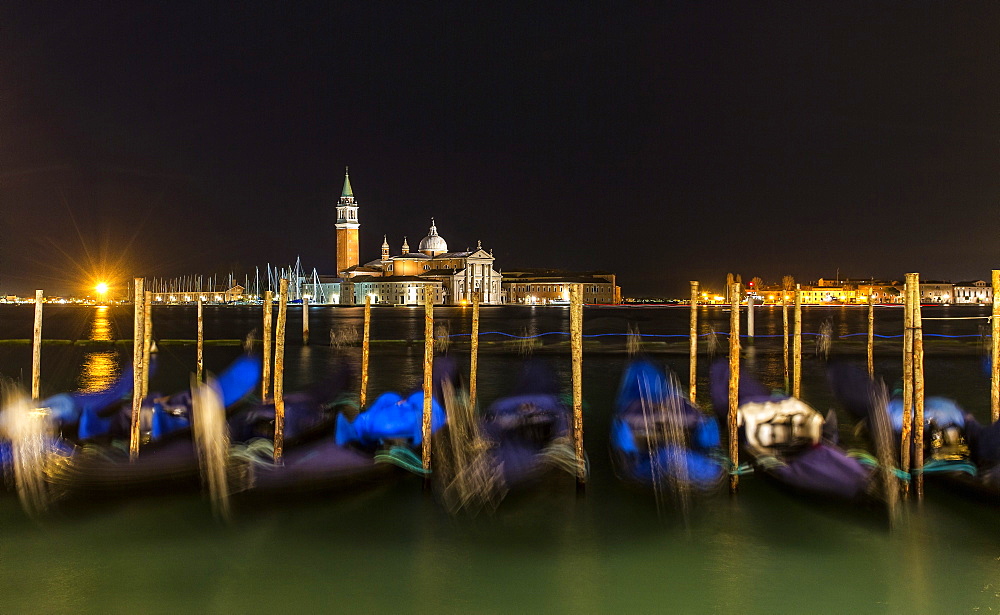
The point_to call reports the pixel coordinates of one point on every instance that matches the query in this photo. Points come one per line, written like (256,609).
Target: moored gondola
(792,443)
(659,439)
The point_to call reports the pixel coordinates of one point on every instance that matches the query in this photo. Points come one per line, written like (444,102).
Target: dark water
(394,549)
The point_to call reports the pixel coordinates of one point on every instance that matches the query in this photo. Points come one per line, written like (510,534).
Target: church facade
(405,278)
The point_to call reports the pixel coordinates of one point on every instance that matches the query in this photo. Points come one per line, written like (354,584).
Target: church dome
(433,244)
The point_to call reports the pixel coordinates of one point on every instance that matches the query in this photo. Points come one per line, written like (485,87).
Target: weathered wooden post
(279,371)
(265,386)
(200,365)
(995,331)
(871,334)
(797,345)
(576,351)
(906,438)
(425,448)
(918,388)
(734,385)
(305,321)
(750,319)
(147,339)
(474,351)
(786,286)
(693,346)
(137,347)
(36,348)
(365,344)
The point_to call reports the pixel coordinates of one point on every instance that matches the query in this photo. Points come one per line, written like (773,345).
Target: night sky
(665,142)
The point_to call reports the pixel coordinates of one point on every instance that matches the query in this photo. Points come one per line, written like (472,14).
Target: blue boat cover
(174,413)
(390,417)
(67,408)
(942,411)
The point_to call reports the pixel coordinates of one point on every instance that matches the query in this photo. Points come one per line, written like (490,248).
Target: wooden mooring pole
(137,362)
(36,348)
(906,437)
(693,346)
(734,385)
(200,364)
(147,339)
(797,345)
(474,352)
(786,286)
(425,426)
(305,321)
(365,344)
(576,352)
(279,372)
(265,384)
(995,332)
(918,388)
(871,334)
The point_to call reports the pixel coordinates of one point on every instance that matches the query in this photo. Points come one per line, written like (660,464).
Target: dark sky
(662,141)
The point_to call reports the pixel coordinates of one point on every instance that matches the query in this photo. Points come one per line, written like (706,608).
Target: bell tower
(347,227)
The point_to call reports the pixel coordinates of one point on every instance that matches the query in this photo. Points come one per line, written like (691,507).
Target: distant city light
(101,288)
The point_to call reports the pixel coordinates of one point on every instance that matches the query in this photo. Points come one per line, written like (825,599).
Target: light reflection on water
(100,327)
(100,367)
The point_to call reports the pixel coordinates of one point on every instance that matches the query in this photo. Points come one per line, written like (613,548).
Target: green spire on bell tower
(347,192)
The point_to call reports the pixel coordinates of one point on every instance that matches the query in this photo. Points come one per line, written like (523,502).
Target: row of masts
(263,280)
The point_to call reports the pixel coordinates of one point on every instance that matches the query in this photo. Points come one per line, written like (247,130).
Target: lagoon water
(396,549)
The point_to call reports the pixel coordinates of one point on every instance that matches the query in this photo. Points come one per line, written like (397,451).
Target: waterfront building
(321,289)
(934,291)
(937,292)
(398,290)
(825,292)
(550,286)
(405,276)
(234,294)
(973,291)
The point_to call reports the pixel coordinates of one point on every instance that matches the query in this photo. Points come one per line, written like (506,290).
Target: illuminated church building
(406,277)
